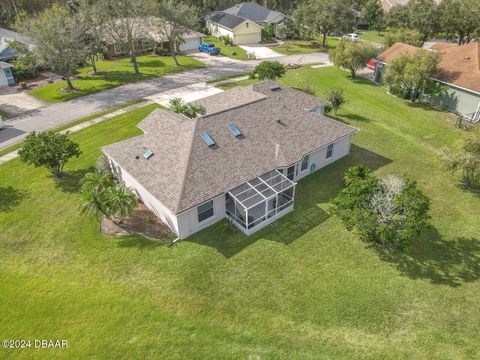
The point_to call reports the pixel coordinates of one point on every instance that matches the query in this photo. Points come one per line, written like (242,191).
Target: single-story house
(7,53)
(6,74)
(260,15)
(240,30)
(239,161)
(147,36)
(459,70)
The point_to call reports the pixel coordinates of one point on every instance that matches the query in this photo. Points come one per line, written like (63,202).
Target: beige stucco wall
(318,157)
(188,220)
(148,199)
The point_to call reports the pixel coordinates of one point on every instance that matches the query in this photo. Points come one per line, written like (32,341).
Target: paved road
(57,114)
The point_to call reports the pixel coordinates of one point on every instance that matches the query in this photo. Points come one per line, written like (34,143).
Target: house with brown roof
(241,160)
(458,70)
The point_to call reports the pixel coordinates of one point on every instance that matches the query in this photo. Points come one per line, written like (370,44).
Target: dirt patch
(142,222)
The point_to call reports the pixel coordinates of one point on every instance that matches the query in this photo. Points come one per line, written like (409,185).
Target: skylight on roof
(235,130)
(148,154)
(207,139)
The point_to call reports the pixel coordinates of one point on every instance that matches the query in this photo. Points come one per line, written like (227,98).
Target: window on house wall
(330,151)
(305,163)
(205,211)
(246,25)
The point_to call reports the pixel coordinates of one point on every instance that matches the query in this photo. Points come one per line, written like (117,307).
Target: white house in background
(6,74)
(240,30)
(240,161)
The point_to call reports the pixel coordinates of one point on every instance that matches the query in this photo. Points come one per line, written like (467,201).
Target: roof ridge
(187,165)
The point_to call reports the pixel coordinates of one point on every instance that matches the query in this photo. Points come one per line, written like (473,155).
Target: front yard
(233,52)
(293,47)
(114,73)
(303,288)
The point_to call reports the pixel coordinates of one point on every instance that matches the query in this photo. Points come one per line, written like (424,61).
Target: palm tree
(92,193)
(120,202)
(177,105)
(191,110)
(437,89)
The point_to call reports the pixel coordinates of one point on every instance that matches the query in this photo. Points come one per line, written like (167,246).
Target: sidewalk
(14,154)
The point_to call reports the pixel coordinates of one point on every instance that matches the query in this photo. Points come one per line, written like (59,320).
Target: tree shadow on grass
(70,182)
(10,197)
(318,188)
(443,261)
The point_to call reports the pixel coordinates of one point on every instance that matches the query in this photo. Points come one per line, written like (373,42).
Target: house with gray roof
(238,22)
(241,160)
(7,53)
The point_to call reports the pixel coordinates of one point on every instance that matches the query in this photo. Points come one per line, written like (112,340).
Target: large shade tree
(59,37)
(351,55)
(410,74)
(322,17)
(170,21)
(460,19)
(123,23)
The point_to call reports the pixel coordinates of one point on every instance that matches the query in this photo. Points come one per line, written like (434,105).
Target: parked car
(352,37)
(372,64)
(209,48)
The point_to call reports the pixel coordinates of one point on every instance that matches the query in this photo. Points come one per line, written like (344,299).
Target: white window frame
(208,218)
(332,152)
(301,164)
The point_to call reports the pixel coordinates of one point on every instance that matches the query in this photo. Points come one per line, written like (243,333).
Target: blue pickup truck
(209,48)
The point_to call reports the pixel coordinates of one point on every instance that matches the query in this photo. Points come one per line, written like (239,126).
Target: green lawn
(372,35)
(115,73)
(228,50)
(292,47)
(305,288)
(3,114)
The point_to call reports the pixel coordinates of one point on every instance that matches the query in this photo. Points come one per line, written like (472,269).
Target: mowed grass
(372,35)
(293,47)
(305,288)
(233,52)
(113,73)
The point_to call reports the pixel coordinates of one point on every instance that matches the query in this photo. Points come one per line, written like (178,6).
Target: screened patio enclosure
(260,201)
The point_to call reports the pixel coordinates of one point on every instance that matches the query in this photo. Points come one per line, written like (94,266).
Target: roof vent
(207,139)
(235,130)
(276,88)
(148,154)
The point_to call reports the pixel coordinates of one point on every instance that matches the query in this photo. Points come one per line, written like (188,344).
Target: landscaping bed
(113,73)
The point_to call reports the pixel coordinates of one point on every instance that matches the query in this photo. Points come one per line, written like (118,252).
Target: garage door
(251,38)
(190,44)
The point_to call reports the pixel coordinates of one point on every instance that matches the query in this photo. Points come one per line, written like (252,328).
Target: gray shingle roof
(254,12)
(185,172)
(223,19)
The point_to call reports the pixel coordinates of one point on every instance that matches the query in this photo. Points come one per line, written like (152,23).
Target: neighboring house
(459,70)
(240,161)
(147,34)
(387,5)
(240,30)
(260,15)
(6,74)
(7,53)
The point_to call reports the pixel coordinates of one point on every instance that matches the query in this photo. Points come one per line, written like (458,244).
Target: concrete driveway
(214,60)
(260,51)
(187,93)
(15,102)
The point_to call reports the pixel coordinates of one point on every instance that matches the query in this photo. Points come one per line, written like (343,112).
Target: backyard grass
(228,51)
(114,73)
(3,114)
(304,288)
(292,47)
